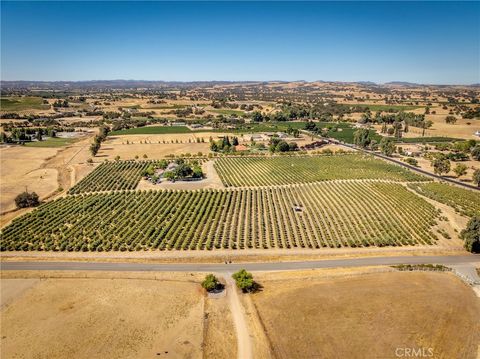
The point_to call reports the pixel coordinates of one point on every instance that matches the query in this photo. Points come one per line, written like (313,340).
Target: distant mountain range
(402,83)
(136,84)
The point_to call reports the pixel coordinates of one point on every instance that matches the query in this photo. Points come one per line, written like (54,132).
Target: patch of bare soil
(104,318)
(370,316)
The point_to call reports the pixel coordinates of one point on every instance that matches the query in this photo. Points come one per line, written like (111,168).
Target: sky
(422,42)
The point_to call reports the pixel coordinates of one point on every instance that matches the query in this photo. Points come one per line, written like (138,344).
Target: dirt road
(244,343)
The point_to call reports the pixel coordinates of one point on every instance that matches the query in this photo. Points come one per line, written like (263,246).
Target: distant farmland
(248,128)
(22,104)
(390,107)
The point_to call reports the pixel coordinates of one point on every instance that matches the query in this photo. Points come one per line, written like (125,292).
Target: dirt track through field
(244,343)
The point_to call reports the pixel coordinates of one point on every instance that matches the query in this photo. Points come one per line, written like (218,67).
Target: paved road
(204,267)
(413,168)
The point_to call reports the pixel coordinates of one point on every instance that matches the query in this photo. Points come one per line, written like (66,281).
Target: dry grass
(41,170)
(370,316)
(104,318)
(21,167)
(220,340)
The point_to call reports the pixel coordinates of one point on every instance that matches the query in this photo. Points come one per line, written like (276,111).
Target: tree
(4,138)
(213,146)
(397,126)
(450,120)
(471,235)
(26,199)
(257,117)
(292,146)
(476,177)
(226,142)
(361,137)
(387,146)
(39,134)
(426,124)
(476,152)
(441,165)
(197,172)
(244,280)
(183,170)
(169,175)
(411,161)
(210,283)
(149,171)
(460,169)
(282,146)
(94,147)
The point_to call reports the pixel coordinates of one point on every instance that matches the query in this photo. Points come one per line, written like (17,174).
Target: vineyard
(110,176)
(462,200)
(250,171)
(329,214)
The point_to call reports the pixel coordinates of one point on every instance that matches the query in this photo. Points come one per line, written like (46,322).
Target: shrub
(25,199)
(460,169)
(244,280)
(476,177)
(471,235)
(210,283)
(411,161)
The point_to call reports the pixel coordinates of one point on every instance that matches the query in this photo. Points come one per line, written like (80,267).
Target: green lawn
(248,128)
(346,135)
(22,103)
(52,142)
(228,112)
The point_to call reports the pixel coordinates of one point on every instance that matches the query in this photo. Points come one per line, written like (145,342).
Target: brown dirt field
(369,316)
(104,318)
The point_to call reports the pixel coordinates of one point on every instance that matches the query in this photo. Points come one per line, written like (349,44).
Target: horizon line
(251,81)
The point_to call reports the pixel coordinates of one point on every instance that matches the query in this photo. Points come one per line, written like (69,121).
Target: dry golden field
(100,318)
(21,167)
(364,312)
(41,170)
(369,316)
